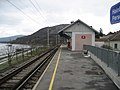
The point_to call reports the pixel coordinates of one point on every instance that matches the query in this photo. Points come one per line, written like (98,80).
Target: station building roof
(61,32)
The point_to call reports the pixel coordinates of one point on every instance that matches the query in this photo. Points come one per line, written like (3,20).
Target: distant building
(112,40)
(78,34)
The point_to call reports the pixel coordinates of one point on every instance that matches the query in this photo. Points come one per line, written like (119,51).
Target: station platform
(73,71)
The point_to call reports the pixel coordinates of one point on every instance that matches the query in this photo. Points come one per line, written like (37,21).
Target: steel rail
(8,76)
(34,71)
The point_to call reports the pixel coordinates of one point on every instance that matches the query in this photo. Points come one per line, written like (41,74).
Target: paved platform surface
(74,72)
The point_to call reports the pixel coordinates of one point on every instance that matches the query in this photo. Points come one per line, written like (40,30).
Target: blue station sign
(115,14)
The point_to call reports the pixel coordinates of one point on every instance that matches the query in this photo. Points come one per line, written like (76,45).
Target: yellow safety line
(54,73)
(34,88)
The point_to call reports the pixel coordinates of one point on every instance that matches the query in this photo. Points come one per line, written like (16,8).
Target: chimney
(91,26)
(72,22)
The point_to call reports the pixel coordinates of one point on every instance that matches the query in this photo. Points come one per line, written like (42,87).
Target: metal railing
(109,57)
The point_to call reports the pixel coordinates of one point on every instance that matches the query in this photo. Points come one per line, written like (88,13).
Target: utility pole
(56,39)
(48,37)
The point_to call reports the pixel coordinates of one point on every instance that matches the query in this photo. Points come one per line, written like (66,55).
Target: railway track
(25,76)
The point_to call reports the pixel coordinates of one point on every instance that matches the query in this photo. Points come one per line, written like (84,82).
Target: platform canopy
(65,35)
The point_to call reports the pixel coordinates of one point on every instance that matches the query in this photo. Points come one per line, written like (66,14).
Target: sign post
(115,14)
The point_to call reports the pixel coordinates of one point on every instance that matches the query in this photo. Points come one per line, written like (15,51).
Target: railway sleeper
(17,77)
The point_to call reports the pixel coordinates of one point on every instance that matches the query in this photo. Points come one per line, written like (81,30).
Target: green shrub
(107,47)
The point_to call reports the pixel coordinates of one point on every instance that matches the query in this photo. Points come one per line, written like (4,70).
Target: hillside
(11,38)
(40,37)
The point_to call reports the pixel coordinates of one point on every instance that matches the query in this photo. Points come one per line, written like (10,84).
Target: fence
(19,56)
(109,57)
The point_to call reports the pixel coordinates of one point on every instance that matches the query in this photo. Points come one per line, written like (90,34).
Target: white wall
(73,38)
(112,43)
(78,27)
(99,44)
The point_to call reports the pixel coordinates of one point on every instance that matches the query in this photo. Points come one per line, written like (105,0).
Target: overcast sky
(28,19)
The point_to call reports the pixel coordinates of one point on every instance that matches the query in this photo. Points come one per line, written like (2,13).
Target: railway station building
(78,34)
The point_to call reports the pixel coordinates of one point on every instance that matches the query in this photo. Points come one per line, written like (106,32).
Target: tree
(10,52)
(101,32)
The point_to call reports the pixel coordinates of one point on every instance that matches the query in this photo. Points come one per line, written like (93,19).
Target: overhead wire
(22,12)
(28,6)
(40,9)
(31,9)
(36,9)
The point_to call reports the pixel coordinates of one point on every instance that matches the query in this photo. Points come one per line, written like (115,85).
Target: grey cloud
(99,7)
(9,20)
(55,11)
